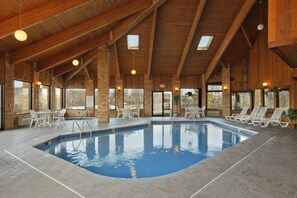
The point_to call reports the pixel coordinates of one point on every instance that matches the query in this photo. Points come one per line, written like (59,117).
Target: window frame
(216,91)
(30,96)
(66,106)
(142,106)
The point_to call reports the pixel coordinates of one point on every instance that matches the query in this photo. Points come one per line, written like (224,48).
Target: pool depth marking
(217,177)
(70,189)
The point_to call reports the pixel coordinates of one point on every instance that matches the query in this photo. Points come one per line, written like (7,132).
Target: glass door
(162,103)
(1,107)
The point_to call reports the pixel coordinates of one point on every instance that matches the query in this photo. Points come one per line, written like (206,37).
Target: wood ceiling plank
(81,67)
(120,31)
(60,70)
(37,15)
(78,30)
(151,47)
(70,53)
(187,46)
(245,9)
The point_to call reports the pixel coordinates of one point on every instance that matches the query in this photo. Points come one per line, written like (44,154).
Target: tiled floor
(263,166)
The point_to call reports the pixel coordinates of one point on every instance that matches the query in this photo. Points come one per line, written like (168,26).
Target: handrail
(84,114)
(75,122)
(83,126)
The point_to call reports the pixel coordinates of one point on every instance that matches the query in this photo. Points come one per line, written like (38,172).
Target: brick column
(176,84)
(35,91)
(203,91)
(226,107)
(9,94)
(148,88)
(90,93)
(103,83)
(119,91)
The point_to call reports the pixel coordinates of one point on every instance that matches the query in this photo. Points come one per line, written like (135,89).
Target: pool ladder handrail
(80,131)
(88,124)
(83,127)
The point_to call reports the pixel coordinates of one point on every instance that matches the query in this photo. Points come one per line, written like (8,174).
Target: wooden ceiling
(169,30)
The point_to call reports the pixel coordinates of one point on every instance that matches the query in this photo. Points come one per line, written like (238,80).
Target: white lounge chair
(260,115)
(240,115)
(275,119)
(247,117)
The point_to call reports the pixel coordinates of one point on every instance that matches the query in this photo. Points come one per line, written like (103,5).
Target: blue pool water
(154,150)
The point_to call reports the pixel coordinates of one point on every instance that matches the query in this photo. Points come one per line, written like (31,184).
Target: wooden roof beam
(191,34)
(116,59)
(87,73)
(58,71)
(78,30)
(70,53)
(37,15)
(246,36)
(81,67)
(245,9)
(126,27)
(151,46)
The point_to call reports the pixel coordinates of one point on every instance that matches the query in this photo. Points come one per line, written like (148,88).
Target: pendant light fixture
(20,34)
(261,25)
(75,62)
(133,71)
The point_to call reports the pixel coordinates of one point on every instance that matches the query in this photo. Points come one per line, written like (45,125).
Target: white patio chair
(247,117)
(35,118)
(201,112)
(240,115)
(275,119)
(136,112)
(119,112)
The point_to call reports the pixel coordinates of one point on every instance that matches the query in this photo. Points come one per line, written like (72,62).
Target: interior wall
(266,66)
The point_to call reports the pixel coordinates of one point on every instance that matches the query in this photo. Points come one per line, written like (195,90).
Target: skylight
(133,42)
(204,42)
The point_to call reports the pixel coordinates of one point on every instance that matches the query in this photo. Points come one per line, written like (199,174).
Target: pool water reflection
(147,152)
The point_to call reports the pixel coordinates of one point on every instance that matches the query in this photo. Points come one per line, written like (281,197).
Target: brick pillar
(226,107)
(103,83)
(203,92)
(148,88)
(9,94)
(35,91)
(90,93)
(176,84)
(119,91)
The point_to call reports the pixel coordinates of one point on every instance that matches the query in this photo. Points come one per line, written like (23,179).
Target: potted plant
(292,115)
(175,100)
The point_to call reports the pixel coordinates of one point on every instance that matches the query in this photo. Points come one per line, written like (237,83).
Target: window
(133,98)
(257,98)
(240,100)
(44,97)
(75,98)
(22,97)
(111,98)
(58,100)
(189,97)
(269,99)
(133,42)
(284,99)
(214,96)
(204,42)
